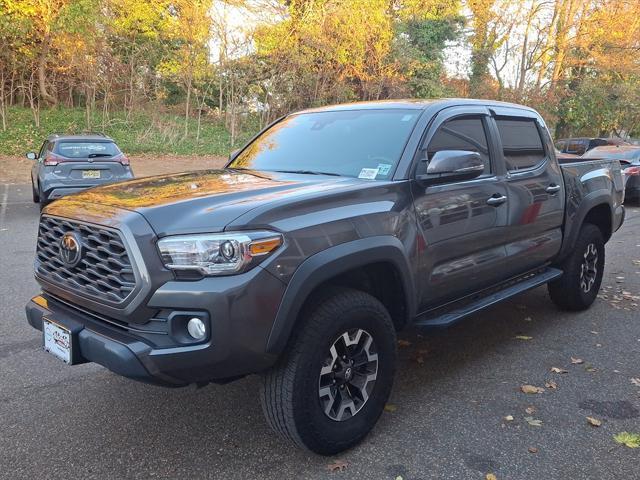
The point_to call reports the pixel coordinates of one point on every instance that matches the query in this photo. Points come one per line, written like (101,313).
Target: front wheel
(583,268)
(330,387)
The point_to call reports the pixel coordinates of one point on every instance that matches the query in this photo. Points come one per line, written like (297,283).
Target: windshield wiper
(308,172)
(94,155)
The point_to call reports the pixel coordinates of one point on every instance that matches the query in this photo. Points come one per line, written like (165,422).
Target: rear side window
(464,133)
(521,143)
(86,149)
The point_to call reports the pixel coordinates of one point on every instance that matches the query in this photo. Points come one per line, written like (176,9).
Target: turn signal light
(262,247)
(631,171)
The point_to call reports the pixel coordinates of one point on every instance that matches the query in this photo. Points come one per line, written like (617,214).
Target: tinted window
(339,142)
(521,143)
(42,149)
(76,149)
(459,134)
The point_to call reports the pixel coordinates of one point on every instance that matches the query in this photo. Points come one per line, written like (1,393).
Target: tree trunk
(42,65)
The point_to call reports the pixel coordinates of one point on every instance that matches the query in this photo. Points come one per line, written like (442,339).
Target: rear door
(463,248)
(535,189)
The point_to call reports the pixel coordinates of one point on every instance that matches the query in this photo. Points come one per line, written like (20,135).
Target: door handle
(553,188)
(496,200)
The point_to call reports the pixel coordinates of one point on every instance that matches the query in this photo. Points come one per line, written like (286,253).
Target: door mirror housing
(452,165)
(234,154)
(32,156)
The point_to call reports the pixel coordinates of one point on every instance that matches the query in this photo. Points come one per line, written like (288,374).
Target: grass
(140,133)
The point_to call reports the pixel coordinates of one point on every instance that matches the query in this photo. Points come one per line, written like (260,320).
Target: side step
(443,317)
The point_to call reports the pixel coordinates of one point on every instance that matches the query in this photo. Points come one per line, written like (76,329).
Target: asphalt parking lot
(445,419)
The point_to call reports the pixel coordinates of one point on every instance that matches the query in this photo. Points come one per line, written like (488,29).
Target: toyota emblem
(70,249)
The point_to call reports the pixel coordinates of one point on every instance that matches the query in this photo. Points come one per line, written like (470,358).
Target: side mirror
(452,165)
(234,154)
(32,156)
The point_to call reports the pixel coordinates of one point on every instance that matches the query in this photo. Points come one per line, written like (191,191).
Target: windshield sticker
(368,173)
(384,169)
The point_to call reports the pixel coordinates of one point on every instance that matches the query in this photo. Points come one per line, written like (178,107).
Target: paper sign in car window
(368,173)
(384,169)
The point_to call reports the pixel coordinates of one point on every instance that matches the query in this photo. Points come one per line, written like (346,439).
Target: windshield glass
(352,143)
(86,149)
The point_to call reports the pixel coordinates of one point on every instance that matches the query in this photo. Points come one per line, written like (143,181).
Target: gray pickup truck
(327,233)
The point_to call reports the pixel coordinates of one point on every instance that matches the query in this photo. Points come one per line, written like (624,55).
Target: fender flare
(594,199)
(328,263)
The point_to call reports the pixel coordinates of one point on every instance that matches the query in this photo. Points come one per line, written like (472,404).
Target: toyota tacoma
(330,231)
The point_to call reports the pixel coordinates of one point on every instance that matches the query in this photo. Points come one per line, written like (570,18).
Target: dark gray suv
(71,163)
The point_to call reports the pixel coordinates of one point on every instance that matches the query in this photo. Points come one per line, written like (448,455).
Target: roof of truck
(414,104)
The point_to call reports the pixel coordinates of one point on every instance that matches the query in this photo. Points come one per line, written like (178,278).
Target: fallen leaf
(552,385)
(403,343)
(576,361)
(530,409)
(390,407)
(559,370)
(490,476)
(419,359)
(534,422)
(509,418)
(337,466)
(523,337)
(631,440)
(399,477)
(533,450)
(594,421)
(590,368)
(636,381)
(531,389)
(527,319)
(594,332)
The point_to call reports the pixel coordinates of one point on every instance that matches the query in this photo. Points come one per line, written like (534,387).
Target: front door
(462,223)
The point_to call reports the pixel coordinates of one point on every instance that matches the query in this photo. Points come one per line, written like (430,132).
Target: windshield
(86,149)
(353,143)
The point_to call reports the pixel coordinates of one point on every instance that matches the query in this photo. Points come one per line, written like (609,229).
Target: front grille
(104,273)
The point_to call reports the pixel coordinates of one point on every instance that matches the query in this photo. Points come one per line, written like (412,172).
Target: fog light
(196,328)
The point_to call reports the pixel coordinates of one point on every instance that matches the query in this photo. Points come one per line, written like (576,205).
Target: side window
(463,133)
(521,143)
(42,149)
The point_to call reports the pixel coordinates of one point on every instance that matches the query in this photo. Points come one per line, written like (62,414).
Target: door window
(42,149)
(462,133)
(521,143)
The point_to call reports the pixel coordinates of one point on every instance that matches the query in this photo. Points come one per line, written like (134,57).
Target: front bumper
(240,309)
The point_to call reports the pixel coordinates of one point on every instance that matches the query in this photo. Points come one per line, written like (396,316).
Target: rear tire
(35,194)
(579,285)
(322,394)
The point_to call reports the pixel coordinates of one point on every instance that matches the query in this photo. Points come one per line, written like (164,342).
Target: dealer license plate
(56,340)
(91,174)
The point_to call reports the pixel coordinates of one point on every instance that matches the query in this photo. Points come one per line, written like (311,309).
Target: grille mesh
(105,272)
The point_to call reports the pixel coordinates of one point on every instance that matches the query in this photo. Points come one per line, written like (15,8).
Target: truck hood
(205,201)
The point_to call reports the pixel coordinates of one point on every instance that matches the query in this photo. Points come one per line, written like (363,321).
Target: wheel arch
(595,209)
(343,264)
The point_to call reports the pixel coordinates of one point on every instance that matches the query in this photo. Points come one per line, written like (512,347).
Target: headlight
(217,253)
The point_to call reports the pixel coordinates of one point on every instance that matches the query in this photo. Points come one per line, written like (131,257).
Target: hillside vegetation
(138,133)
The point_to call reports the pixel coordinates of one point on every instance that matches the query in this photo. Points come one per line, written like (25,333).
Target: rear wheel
(583,268)
(331,386)
(34,193)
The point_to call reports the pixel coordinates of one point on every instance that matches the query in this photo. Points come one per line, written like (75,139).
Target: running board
(442,317)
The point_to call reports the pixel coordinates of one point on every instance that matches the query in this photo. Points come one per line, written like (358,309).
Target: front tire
(583,269)
(332,384)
